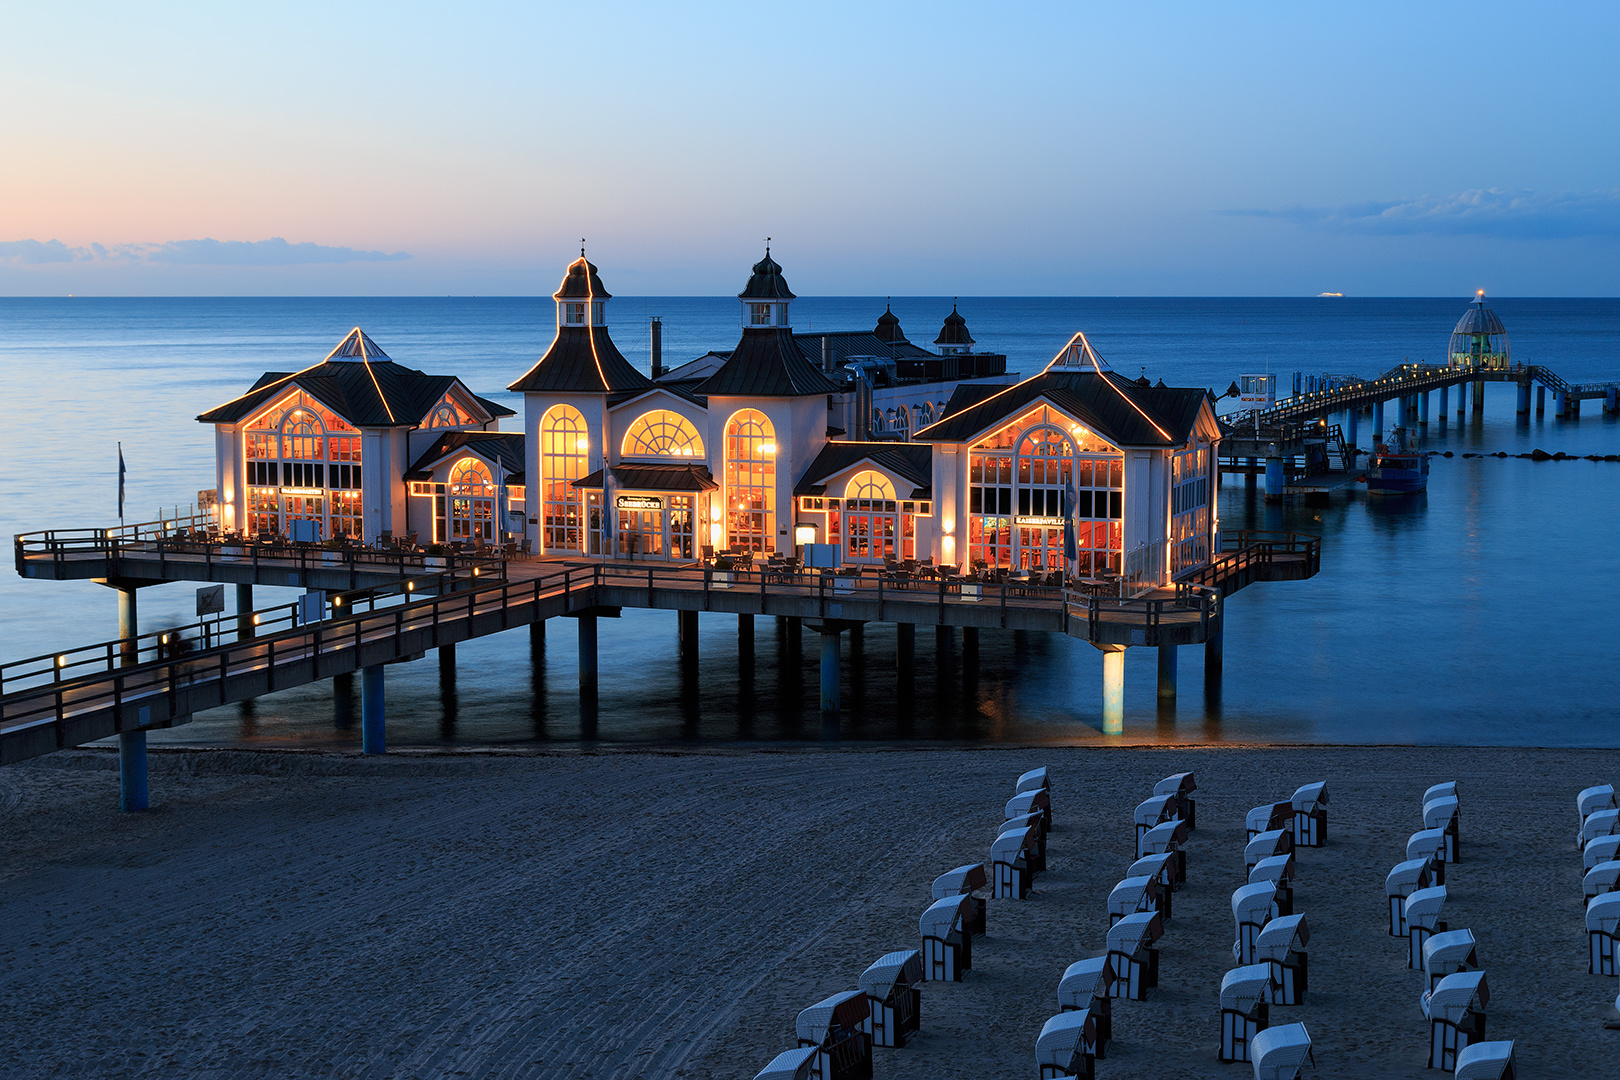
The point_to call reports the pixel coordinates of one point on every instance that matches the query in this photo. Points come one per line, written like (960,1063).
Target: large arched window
(471,478)
(564,450)
(751,481)
(869,485)
(302,437)
(662,433)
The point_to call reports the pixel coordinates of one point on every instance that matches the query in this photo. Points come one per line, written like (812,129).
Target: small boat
(1398,467)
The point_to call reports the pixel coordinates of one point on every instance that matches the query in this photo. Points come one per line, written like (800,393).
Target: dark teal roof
(767,282)
(1121,410)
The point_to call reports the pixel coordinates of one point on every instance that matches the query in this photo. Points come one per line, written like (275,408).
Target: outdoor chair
(1593,799)
(1181,785)
(1135,894)
(1282,945)
(1037,847)
(1602,928)
(1429,844)
(1279,871)
(947,951)
(1161,866)
(1486,1061)
(1037,801)
(1310,814)
(836,1026)
(1132,956)
(1441,813)
(1154,811)
(1404,880)
(1067,1046)
(1447,954)
(1600,849)
(1280,1053)
(1600,823)
(893,1001)
(1602,878)
(1251,911)
(1164,838)
(1087,985)
(1035,778)
(962,882)
(1265,845)
(791,1065)
(1423,921)
(1244,995)
(1269,818)
(1455,1009)
(1010,863)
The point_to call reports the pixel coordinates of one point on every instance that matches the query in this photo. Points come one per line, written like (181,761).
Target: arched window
(302,437)
(751,481)
(444,416)
(470,478)
(869,485)
(564,449)
(662,433)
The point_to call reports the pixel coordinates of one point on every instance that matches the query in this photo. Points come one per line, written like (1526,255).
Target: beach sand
(645,913)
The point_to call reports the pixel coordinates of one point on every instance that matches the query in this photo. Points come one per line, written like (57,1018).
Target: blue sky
(1062,149)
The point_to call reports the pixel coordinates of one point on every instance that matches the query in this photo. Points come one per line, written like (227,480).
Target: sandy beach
(654,914)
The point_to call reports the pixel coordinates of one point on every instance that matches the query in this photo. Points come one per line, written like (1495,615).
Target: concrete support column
(1251,477)
(1113,689)
(1445,395)
(537,634)
(1214,655)
(1611,400)
(1541,399)
(745,643)
(829,675)
(132,793)
(373,716)
(1352,425)
(970,650)
(795,636)
(343,700)
(244,612)
(1462,399)
(1560,404)
(447,661)
(1276,478)
(905,649)
(587,663)
(1479,395)
(1378,422)
(687,621)
(1167,673)
(944,645)
(1423,408)
(1524,399)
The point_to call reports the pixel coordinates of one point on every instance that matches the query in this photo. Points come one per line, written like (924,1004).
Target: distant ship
(1397,468)
(1320,294)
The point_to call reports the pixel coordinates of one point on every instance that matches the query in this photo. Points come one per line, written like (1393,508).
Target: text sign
(1043,522)
(639,502)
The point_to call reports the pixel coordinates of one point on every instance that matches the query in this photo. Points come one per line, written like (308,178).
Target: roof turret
(955,331)
(581,282)
(767,282)
(888,327)
(1480,319)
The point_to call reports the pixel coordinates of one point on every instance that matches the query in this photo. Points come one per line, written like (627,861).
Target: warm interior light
(717,533)
(255,620)
(61,661)
(583,444)
(409,585)
(767,448)
(804,534)
(337,601)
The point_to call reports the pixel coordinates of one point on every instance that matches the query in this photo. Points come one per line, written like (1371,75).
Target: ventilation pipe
(657,348)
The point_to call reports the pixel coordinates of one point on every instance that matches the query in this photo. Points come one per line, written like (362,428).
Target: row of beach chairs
(1599,841)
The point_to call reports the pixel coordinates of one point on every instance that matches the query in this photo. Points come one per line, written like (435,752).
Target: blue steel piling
(373,714)
(132,794)
(1113,689)
(1276,479)
(1524,399)
(1378,422)
(1167,672)
(829,675)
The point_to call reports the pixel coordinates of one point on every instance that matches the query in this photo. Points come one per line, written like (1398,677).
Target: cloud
(1494,212)
(207,252)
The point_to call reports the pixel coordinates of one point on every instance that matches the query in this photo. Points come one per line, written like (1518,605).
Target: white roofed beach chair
(1034,779)
(1135,894)
(1181,785)
(791,1065)
(1268,817)
(1037,846)
(1132,956)
(1600,849)
(1455,1009)
(1010,869)
(1245,992)
(837,1027)
(1279,870)
(1438,791)
(947,950)
(1279,1053)
(1599,823)
(1593,799)
(893,1001)
(1167,838)
(1423,910)
(1161,866)
(1447,954)
(1404,880)
(1265,845)
(1486,1061)
(1282,945)
(1088,984)
(962,882)
(1602,878)
(1026,801)
(1442,813)
(1602,927)
(1067,1046)
(1429,844)
(1251,910)
(1152,811)
(1310,814)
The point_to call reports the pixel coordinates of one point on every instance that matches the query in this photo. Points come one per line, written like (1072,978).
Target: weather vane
(582,247)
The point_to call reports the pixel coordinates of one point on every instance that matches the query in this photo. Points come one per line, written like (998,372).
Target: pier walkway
(137,682)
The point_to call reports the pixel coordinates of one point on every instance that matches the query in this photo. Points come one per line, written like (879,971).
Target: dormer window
(573,314)
(759,314)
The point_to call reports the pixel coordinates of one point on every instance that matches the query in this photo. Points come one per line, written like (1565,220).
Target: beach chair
(1602,927)
(1602,878)
(1135,894)
(1281,945)
(1035,778)
(1009,863)
(1088,985)
(1266,845)
(1455,1009)
(1486,1061)
(1269,817)
(836,1026)
(1279,871)
(1132,956)
(1449,953)
(791,1065)
(1439,791)
(1441,813)
(1163,839)
(1152,812)
(1161,866)
(1310,814)
(1600,849)
(894,1003)
(1429,844)
(1422,912)
(1591,800)
(1244,994)
(1251,910)
(1037,847)
(947,950)
(1037,799)
(1067,1046)
(962,882)
(1279,1053)
(1181,785)
(1599,823)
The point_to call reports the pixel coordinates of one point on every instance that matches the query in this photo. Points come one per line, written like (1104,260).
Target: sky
(887,149)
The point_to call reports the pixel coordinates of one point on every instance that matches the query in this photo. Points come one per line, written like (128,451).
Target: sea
(1482,612)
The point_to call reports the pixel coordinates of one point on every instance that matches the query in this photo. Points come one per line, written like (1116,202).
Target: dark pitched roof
(1479,319)
(582,360)
(654,478)
(1121,410)
(967,394)
(888,326)
(955,331)
(505,446)
(580,282)
(846,343)
(358,382)
(767,363)
(910,461)
(494,408)
(767,282)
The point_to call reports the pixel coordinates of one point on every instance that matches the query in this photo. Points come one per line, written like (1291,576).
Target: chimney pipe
(657,347)
(827,364)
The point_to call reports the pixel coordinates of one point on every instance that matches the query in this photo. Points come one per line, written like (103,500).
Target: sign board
(211,600)
(639,502)
(514,521)
(821,556)
(304,531)
(311,607)
(207,500)
(1042,522)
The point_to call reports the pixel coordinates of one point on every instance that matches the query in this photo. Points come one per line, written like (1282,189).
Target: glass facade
(750,482)
(564,452)
(302,463)
(1189,509)
(662,433)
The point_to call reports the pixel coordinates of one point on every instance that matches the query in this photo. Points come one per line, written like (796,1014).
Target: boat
(1397,467)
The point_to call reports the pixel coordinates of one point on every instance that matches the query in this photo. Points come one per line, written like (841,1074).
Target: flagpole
(120,484)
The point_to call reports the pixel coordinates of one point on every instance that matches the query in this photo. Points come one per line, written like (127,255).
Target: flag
(121,471)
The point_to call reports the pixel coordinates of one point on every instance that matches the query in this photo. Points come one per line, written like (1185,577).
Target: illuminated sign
(639,502)
(1043,522)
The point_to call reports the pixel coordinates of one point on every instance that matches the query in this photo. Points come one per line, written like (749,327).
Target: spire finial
(582,247)
(767,246)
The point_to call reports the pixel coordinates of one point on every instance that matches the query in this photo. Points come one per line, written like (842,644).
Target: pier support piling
(244,612)
(905,649)
(1378,422)
(1423,408)
(687,621)
(587,665)
(1541,399)
(1524,399)
(1213,656)
(1276,479)
(944,646)
(1251,475)
(745,644)
(1167,673)
(1113,689)
(1479,395)
(1445,397)
(970,651)
(132,794)
(1560,404)
(829,675)
(795,637)
(1352,421)
(373,714)
(447,661)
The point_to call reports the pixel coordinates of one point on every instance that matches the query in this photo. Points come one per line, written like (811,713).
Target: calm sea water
(1479,613)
